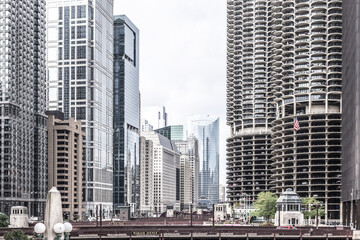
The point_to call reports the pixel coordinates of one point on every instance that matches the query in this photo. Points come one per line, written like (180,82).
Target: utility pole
(191,214)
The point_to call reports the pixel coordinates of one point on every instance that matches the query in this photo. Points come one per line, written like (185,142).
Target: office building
(65,157)
(185,183)
(166,172)
(155,115)
(290,54)
(173,132)
(80,84)
(146,126)
(222,193)
(23,156)
(205,129)
(189,151)
(350,165)
(126,115)
(146,178)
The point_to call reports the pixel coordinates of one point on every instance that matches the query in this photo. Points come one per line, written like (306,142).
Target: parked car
(286,227)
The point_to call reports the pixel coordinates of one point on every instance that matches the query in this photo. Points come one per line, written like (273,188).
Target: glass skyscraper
(206,129)
(80,83)
(173,132)
(23,155)
(126,115)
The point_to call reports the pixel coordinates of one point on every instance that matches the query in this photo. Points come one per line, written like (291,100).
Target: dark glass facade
(174,133)
(350,194)
(126,115)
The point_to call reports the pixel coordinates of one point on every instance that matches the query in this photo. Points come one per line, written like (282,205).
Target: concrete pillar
(53,212)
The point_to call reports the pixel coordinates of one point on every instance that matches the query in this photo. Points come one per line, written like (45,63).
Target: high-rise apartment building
(166,172)
(23,156)
(285,58)
(80,84)
(205,129)
(126,115)
(65,158)
(250,106)
(146,207)
(155,115)
(189,151)
(173,132)
(350,165)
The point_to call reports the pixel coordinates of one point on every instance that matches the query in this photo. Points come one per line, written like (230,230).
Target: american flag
(296,124)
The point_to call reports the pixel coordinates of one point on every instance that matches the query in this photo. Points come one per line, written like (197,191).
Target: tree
(265,205)
(16,235)
(4,220)
(308,204)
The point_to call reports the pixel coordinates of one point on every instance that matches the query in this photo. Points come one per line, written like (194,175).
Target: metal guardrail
(144,228)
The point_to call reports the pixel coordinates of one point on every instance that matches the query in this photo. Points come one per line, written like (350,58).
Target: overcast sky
(182,58)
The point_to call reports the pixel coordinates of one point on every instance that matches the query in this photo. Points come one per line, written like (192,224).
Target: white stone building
(288,209)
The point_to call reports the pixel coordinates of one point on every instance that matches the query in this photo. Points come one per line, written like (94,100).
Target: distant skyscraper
(206,129)
(146,126)
(284,61)
(189,152)
(146,177)
(166,172)
(155,115)
(80,83)
(65,159)
(350,165)
(126,115)
(173,132)
(23,156)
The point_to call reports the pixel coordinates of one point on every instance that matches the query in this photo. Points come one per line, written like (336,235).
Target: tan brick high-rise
(65,151)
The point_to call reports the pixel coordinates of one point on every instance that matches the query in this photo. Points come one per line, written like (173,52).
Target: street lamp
(317,205)
(59,229)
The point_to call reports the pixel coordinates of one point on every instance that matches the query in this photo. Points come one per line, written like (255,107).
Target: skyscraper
(206,129)
(65,157)
(166,172)
(155,115)
(146,177)
(126,115)
(80,83)
(250,105)
(293,49)
(173,132)
(22,106)
(350,185)
(189,153)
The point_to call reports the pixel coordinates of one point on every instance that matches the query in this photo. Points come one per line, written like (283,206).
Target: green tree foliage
(16,235)
(265,205)
(308,204)
(4,220)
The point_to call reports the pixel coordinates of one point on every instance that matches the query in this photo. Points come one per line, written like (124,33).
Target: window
(72,112)
(60,33)
(80,93)
(60,74)
(59,94)
(81,11)
(81,32)
(60,53)
(72,73)
(73,32)
(72,93)
(80,113)
(81,52)
(73,12)
(72,52)
(60,13)
(81,72)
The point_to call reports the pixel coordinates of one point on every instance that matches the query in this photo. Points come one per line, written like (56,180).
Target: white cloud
(182,58)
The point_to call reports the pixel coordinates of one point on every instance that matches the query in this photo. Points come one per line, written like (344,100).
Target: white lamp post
(59,229)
